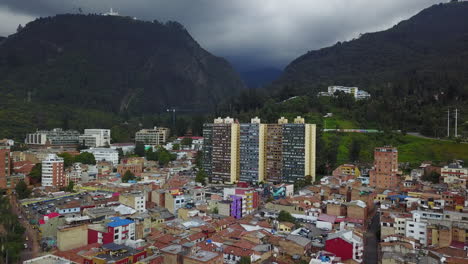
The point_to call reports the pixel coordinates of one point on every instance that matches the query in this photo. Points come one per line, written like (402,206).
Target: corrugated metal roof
(117,221)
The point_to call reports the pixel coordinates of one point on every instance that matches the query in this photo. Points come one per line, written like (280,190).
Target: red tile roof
(239,252)
(327,218)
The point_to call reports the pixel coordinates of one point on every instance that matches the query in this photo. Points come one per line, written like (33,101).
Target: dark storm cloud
(266,32)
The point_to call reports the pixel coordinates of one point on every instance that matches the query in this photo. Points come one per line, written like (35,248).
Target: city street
(33,248)
(372,241)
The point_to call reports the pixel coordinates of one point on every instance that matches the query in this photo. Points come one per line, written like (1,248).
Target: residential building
(348,171)
(207,148)
(118,231)
(174,200)
(251,151)
(236,206)
(127,148)
(135,200)
(298,151)
(249,199)
(154,137)
(49,259)
(274,151)
(181,254)
(455,174)
(255,152)
(346,244)
(96,138)
(224,150)
(136,169)
(70,237)
(115,253)
(104,154)
(416,230)
(52,172)
(74,173)
(385,172)
(56,136)
(5,165)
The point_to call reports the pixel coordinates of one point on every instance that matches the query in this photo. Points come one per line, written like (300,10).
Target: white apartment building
(417,230)
(52,171)
(417,226)
(56,136)
(400,225)
(154,137)
(354,91)
(96,137)
(75,172)
(104,154)
(454,173)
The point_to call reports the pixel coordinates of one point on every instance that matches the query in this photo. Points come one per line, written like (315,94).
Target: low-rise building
(104,154)
(346,244)
(135,200)
(118,231)
(154,137)
(93,138)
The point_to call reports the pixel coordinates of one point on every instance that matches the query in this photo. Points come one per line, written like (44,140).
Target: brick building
(385,172)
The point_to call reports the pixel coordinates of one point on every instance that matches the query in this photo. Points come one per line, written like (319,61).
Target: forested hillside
(78,71)
(414,71)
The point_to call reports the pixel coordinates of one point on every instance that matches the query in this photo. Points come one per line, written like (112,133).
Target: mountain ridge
(433,41)
(81,59)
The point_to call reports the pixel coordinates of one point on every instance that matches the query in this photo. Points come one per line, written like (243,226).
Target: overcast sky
(251,32)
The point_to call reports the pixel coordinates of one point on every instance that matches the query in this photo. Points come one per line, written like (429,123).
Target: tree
(199,159)
(176,147)
(215,210)
(201,177)
(354,151)
(164,158)
(128,176)
(299,184)
(433,177)
(121,153)
(36,172)
(186,141)
(71,186)
(19,28)
(86,158)
(140,149)
(151,155)
(284,216)
(308,180)
(245,260)
(22,190)
(67,159)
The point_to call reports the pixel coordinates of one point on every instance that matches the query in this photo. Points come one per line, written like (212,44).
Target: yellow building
(69,238)
(285,227)
(347,170)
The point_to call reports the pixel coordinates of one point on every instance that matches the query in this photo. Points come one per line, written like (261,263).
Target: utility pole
(448,122)
(173,110)
(456,122)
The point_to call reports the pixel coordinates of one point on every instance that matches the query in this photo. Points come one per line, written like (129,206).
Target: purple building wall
(236,206)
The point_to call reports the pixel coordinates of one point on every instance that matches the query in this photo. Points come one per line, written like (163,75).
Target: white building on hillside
(354,91)
(104,154)
(96,138)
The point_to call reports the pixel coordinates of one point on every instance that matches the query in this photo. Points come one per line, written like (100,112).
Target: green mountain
(424,55)
(70,65)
